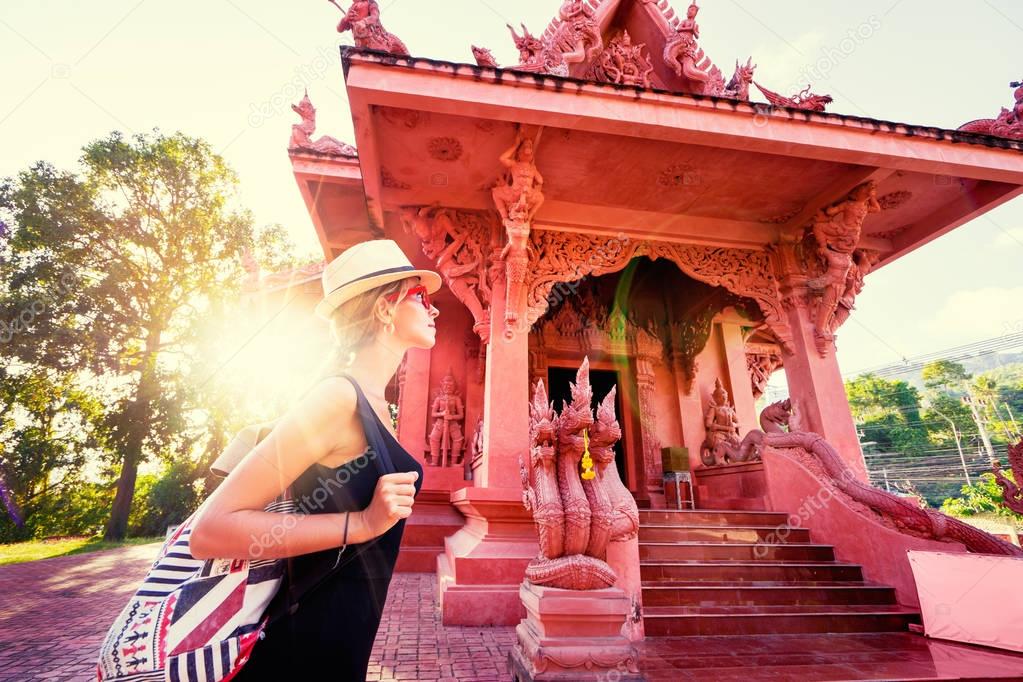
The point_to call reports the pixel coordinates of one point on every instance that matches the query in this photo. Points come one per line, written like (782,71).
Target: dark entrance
(601,380)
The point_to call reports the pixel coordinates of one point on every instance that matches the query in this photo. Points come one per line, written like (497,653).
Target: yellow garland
(588,472)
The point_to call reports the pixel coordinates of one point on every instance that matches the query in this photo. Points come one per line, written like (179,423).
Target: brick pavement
(54,614)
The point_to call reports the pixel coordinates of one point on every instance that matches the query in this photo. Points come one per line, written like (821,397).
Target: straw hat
(365,266)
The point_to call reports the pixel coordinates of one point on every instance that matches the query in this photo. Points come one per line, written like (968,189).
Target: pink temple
(613,216)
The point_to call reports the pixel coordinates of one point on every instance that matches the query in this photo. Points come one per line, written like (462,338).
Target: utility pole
(981,426)
(1012,418)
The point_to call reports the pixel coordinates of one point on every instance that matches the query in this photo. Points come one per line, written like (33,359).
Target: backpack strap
(382,461)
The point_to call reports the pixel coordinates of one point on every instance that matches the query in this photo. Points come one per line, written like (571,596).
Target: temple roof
(640,162)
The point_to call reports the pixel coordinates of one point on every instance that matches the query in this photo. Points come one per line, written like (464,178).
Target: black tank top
(350,487)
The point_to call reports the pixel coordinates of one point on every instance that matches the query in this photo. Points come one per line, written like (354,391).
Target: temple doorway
(602,380)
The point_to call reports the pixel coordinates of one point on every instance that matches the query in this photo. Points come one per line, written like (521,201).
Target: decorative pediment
(641,43)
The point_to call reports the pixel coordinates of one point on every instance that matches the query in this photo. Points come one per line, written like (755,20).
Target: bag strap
(384,465)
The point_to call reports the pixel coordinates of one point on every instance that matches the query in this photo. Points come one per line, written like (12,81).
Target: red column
(484,563)
(815,382)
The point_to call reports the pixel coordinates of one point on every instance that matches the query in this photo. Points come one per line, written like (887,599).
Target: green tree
(107,271)
(888,413)
(983,497)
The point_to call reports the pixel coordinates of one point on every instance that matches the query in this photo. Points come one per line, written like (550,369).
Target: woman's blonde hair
(353,324)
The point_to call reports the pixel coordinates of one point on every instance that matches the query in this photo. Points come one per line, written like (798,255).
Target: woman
(378,307)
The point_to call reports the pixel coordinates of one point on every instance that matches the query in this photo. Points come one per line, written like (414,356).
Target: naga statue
(1008,124)
(363,20)
(529,46)
(804,99)
(1012,492)
(484,57)
(301,134)
(578,512)
(905,516)
(537,56)
(738,86)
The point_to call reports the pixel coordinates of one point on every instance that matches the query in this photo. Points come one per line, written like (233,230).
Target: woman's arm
(233,523)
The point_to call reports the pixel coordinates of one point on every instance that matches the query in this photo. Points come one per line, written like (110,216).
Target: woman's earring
(390,328)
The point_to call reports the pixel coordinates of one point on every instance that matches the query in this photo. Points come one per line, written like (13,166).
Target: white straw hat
(364,266)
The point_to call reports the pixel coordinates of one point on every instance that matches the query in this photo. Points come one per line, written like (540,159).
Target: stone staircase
(708,572)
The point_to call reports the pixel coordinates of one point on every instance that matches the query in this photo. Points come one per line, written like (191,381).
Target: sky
(227,71)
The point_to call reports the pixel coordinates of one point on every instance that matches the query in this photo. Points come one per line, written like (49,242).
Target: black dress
(330,635)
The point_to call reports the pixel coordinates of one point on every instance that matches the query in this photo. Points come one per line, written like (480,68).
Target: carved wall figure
(446,437)
(722,440)
(837,230)
(459,244)
(686,58)
(301,134)
(363,20)
(577,500)
(623,63)
(529,46)
(761,363)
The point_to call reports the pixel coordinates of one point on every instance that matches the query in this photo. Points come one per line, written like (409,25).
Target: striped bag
(195,620)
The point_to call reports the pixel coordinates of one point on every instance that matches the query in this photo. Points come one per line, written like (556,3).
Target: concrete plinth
(483,563)
(573,635)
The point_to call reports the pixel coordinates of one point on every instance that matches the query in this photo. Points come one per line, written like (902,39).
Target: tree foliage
(106,272)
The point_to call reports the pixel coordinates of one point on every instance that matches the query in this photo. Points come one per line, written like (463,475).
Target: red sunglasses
(424,295)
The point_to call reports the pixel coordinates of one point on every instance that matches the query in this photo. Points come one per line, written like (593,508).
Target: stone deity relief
(686,58)
(623,63)
(301,134)
(722,426)
(363,20)
(447,412)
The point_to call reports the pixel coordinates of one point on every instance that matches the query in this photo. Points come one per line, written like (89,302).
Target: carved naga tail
(903,515)
(573,490)
(1012,492)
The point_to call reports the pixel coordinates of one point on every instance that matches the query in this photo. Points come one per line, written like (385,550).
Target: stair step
(712,516)
(733,551)
(715,533)
(750,595)
(743,620)
(748,571)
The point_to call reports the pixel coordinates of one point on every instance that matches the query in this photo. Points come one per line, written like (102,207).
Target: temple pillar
(414,403)
(484,563)
(740,386)
(815,381)
(645,384)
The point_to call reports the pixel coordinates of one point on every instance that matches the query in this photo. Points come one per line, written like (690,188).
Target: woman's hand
(392,501)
